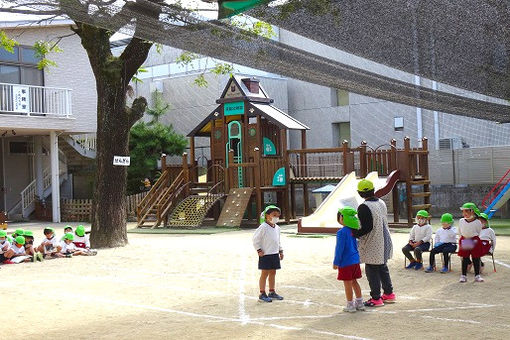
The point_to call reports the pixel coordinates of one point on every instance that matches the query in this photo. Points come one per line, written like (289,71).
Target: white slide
(345,193)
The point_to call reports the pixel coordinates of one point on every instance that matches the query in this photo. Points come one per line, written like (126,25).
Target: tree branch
(136,111)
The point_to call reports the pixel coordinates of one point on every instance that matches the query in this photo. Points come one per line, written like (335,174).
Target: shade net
(162,22)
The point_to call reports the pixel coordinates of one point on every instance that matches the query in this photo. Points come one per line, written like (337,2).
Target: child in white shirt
(68,247)
(445,242)
(470,244)
(82,242)
(488,238)
(50,246)
(266,241)
(419,240)
(5,245)
(16,252)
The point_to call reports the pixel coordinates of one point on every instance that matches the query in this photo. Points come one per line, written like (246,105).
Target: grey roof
(459,42)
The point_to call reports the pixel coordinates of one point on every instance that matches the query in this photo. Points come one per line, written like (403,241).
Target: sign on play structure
(121,160)
(21,99)
(232,109)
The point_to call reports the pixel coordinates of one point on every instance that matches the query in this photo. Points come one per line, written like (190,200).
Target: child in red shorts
(347,258)
(470,244)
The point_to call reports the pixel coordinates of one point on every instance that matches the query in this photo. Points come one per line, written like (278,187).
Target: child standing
(347,258)
(419,240)
(469,242)
(266,241)
(445,242)
(488,237)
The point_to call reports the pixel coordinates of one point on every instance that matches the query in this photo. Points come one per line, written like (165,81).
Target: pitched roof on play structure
(259,103)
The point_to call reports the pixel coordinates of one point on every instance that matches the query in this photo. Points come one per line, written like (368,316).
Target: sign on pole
(121,160)
(21,99)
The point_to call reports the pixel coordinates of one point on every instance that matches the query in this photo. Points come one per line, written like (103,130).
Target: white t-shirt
(446,235)
(53,243)
(67,248)
(267,238)
(488,234)
(80,240)
(469,229)
(18,251)
(421,233)
(4,246)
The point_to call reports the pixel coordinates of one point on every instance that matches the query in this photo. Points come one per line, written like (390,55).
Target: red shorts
(486,247)
(348,273)
(470,246)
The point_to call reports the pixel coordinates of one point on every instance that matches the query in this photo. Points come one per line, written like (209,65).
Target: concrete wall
(73,71)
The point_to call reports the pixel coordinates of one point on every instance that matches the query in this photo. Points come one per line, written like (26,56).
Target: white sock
(350,303)
(359,301)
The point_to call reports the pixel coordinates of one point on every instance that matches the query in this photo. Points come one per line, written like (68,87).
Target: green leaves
(42,49)
(159,107)
(135,79)
(6,43)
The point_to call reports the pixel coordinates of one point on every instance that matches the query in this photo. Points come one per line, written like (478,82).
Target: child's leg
(476,264)
(407,252)
(262,281)
(348,290)
(272,275)
(356,288)
(465,263)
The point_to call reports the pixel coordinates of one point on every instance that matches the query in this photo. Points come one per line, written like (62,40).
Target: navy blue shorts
(269,262)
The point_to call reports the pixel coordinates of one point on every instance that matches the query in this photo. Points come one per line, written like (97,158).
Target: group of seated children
(477,239)
(19,247)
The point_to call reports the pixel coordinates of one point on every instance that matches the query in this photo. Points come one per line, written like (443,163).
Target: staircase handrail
(147,201)
(489,197)
(171,198)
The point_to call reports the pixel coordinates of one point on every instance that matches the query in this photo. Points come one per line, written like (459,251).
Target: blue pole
(489,211)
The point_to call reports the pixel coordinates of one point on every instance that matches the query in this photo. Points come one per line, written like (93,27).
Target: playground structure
(250,157)
(497,196)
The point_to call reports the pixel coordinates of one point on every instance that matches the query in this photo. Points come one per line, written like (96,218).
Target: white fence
(32,100)
(469,166)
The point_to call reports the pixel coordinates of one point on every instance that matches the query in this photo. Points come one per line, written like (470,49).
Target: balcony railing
(29,100)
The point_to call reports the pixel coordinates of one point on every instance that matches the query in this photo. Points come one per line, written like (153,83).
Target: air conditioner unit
(450,143)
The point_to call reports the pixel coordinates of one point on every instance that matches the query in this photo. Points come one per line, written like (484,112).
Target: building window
(20,67)
(21,148)
(341,132)
(398,123)
(342,97)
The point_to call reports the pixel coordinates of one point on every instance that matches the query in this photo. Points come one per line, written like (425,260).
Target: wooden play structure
(250,156)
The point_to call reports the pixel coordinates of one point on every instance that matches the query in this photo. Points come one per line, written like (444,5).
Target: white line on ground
(242,309)
(502,263)
(454,320)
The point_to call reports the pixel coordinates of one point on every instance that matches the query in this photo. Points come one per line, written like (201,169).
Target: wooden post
(231,169)
(393,166)
(424,164)
(363,159)
(393,159)
(258,191)
(409,178)
(283,134)
(185,170)
(214,179)
(194,169)
(345,151)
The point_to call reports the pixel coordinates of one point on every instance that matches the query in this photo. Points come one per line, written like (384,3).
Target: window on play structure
(271,144)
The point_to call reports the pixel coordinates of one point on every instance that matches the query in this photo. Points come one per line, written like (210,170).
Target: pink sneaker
(374,303)
(389,298)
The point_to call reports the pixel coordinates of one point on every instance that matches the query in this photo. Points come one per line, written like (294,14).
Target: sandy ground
(206,286)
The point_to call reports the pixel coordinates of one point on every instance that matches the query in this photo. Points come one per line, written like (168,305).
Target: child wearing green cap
(419,240)
(347,260)
(17,232)
(266,241)
(445,242)
(82,242)
(470,244)
(68,248)
(16,253)
(50,246)
(5,245)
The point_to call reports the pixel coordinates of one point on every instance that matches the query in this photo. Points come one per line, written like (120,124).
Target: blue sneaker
(411,265)
(444,270)
(418,266)
(263,297)
(275,296)
(429,269)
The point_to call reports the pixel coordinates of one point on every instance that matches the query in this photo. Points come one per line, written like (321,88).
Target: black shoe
(275,296)
(265,298)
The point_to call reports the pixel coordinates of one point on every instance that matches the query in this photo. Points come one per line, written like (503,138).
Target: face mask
(275,220)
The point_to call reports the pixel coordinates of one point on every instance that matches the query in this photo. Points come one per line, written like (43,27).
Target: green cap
(349,216)
(447,218)
(68,236)
(48,228)
(485,217)
(263,214)
(422,213)
(28,233)
(471,206)
(68,227)
(365,185)
(19,232)
(80,231)
(20,240)
(3,233)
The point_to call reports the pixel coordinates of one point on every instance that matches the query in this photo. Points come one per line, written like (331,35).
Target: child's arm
(257,240)
(339,249)
(366,221)
(428,234)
